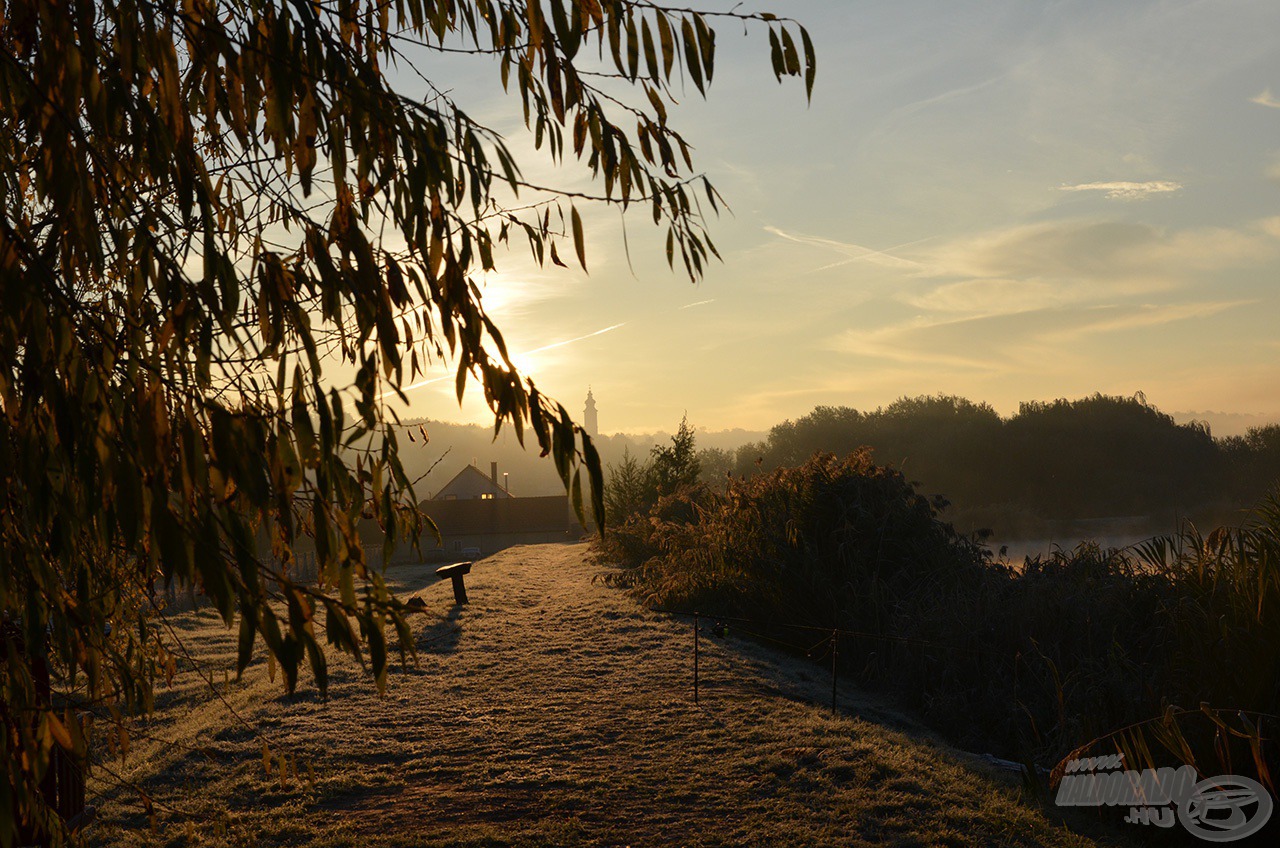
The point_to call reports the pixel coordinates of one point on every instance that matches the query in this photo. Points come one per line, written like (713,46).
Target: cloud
(1271,226)
(1055,250)
(1033,341)
(1017,303)
(915,345)
(1112,319)
(418,385)
(990,297)
(1138,257)
(1127,190)
(1266,98)
(1272,170)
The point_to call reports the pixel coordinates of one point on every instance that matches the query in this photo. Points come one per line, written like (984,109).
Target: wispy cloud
(1266,98)
(1271,226)
(915,343)
(1136,256)
(985,296)
(1112,319)
(1024,342)
(1123,190)
(1273,168)
(698,303)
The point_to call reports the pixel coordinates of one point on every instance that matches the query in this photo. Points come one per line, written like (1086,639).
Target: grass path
(554,710)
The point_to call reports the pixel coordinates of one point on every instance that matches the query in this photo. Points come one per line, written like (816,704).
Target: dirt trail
(554,710)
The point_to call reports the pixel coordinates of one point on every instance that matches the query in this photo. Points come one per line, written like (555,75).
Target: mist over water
(1016,550)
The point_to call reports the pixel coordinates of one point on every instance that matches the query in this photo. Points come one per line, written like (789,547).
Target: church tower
(589,416)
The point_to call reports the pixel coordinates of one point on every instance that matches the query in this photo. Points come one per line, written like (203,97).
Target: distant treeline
(1098,458)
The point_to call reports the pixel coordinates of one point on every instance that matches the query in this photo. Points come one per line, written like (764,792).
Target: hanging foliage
(214,211)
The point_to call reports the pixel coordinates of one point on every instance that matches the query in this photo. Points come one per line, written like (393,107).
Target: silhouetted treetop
(1093,457)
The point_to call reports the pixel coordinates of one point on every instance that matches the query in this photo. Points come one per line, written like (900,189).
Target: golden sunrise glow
(1005,206)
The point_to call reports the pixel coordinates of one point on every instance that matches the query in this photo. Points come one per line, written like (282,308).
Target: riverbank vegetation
(1031,660)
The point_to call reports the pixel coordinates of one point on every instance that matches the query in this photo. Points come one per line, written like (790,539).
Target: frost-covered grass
(552,710)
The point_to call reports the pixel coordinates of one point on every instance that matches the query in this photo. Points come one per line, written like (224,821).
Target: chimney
(493,472)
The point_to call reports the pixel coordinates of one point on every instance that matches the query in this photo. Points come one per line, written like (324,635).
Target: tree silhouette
(675,465)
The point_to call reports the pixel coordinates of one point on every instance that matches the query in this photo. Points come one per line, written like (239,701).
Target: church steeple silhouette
(589,422)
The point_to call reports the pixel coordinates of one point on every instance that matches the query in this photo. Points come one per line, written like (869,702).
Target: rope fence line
(828,645)
(914,641)
(830,640)
(844,631)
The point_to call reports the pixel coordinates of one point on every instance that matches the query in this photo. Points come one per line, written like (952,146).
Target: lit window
(486,496)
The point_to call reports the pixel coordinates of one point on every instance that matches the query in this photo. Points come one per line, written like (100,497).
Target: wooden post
(459,590)
(454,572)
(695,658)
(835,666)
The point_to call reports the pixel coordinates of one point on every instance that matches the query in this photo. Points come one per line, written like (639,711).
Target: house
(477,513)
(471,484)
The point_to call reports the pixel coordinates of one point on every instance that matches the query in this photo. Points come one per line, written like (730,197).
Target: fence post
(695,658)
(835,666)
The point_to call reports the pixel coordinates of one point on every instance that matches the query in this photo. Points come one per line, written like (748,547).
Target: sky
(1007,201)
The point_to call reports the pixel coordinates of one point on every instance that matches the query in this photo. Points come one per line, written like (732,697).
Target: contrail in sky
(868,254)
(571,341)
(428,382)
(699,303)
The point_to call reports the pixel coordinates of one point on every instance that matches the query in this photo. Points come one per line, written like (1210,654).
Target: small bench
(455,572)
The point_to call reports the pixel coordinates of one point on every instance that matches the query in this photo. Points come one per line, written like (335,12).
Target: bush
(820,543)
